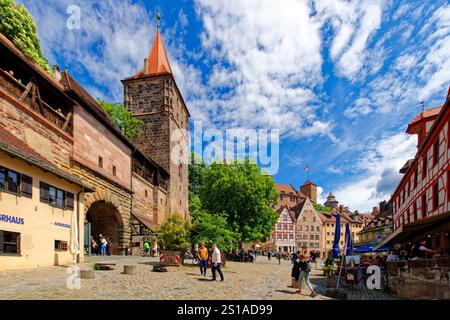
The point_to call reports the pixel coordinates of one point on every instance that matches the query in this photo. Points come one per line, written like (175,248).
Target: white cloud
(334,170)
(265,64)
(353,24)
(321,196)
(436,66)
(379,163)
(362,106)
(114,38)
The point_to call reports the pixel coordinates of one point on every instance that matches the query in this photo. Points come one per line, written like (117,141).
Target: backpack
(305,267)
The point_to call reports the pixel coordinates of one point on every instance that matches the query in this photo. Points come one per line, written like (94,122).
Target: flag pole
(342,262)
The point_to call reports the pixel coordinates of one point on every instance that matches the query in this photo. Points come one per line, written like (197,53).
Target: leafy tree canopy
(197,170)
(243,195)
(174,233)
(320,207)
(213,228)
(19,27)
(130,126)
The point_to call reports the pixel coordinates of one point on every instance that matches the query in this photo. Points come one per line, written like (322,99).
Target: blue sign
(11,219)
(59,224)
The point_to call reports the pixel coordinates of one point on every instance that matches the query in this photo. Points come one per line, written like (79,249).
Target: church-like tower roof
(157,62)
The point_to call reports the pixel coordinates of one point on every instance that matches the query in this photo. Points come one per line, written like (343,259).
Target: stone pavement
(255,281)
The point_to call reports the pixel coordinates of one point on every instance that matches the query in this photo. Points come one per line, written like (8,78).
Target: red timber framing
(427,178)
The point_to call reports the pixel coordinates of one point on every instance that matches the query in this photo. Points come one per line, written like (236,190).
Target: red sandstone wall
(143,202)
(93,140)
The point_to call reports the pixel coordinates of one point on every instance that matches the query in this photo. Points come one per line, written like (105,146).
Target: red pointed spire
(157,61)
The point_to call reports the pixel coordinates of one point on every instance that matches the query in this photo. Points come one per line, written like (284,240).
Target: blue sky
(339,79)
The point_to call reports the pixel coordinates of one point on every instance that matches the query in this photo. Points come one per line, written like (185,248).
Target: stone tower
(310,189)
(152,95)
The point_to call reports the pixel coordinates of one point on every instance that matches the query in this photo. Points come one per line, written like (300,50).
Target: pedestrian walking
(216,263)
(146,247)
(269,255)
(279,256)
(203,258)
(295,273)
(294,256)
(103,244)
(305,269)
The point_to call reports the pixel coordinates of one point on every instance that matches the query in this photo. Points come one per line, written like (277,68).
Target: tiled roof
(289,190)
(157,61)
(346,216)
(147,221)
(309,182)
(427,114)
(17,148)
(285,189)
(295,210)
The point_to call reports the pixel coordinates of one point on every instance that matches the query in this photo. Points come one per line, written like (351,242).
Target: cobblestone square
(254,281)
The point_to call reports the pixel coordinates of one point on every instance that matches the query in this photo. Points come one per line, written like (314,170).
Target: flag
(306,169)
(348,241)
(337,236)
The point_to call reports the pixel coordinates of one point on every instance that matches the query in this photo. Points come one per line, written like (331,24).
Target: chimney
(145,66)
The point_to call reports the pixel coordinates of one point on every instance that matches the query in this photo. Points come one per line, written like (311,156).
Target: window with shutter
(26,186)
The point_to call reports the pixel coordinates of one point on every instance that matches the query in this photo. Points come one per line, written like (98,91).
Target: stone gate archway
(105,219)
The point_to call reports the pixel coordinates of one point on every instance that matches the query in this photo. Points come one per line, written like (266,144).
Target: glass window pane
(13,181)
(60,198)
(2,178)
(52,192)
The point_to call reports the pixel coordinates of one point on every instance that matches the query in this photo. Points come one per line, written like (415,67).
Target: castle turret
(152,95)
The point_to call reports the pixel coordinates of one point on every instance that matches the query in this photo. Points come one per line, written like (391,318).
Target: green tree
(175,233)
(196,171)
(130,126)
(320,207)
(213,228)
(19,27)
(244,195)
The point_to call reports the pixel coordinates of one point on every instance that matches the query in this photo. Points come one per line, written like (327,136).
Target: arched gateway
(103,217)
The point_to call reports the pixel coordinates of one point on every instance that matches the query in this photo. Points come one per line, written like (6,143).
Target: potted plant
(328,271)
(173,234)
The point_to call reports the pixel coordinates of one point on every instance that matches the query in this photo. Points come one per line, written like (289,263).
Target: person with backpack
(305,269)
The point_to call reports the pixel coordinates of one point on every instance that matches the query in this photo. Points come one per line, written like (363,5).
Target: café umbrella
(337,237)
(74,244)
(348,241)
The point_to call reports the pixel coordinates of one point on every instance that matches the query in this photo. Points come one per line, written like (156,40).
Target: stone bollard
(87,274)
(130,270)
